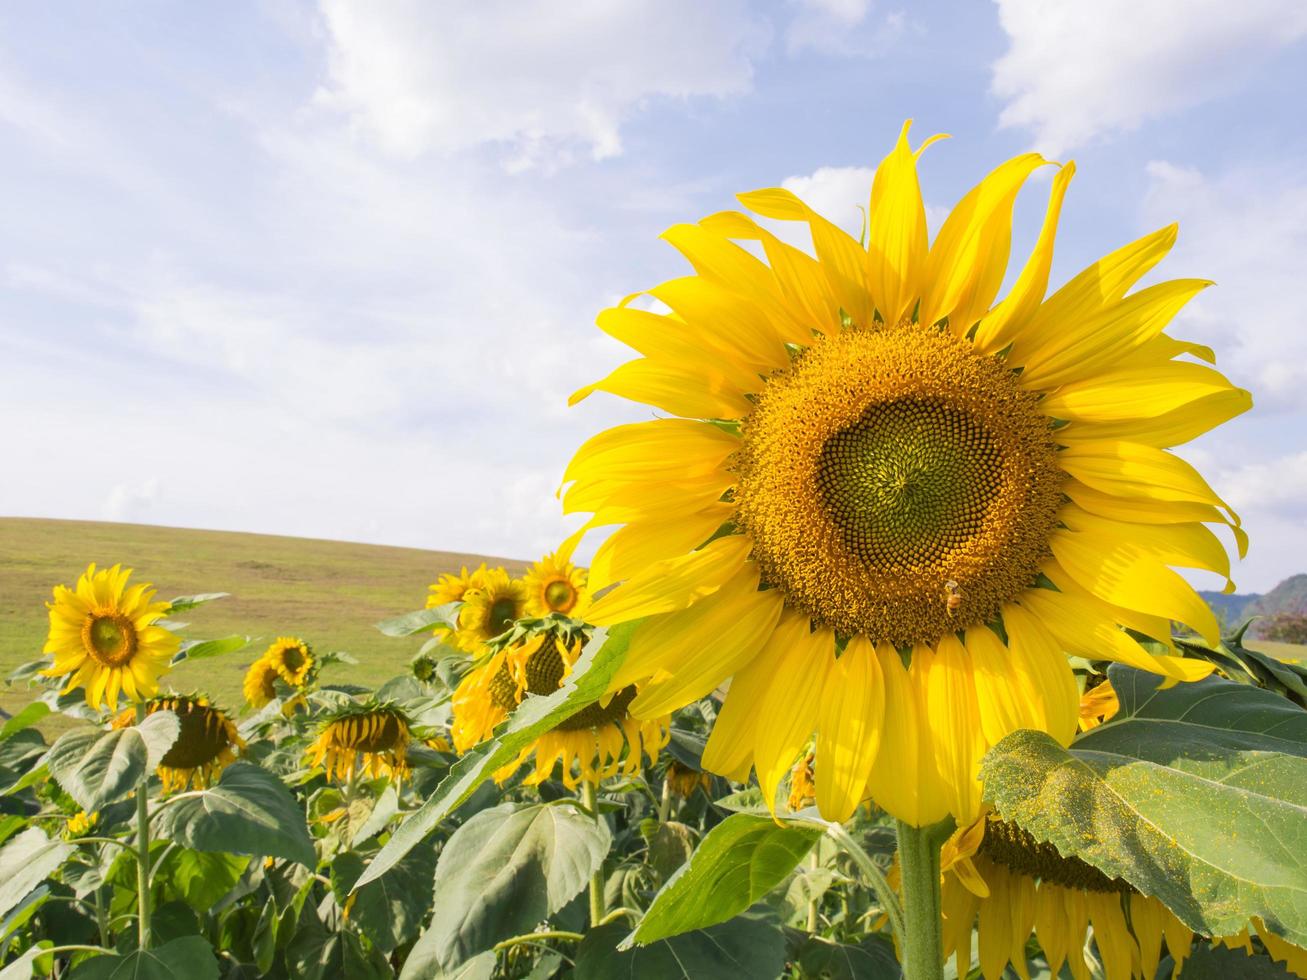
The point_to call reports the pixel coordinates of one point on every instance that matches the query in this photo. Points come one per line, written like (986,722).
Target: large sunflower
(489,608)
(555,585)
(1006,886)
(103,634)
(889,505)
(597,742)
(207,741)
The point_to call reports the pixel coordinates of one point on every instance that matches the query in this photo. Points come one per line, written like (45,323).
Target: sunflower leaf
(185,958)
(1196,794)
(421,621)
(25,861)
(586,684)
(96,768)
(200,649)
(184,602)
(250,811)
(741,860)
(746,946)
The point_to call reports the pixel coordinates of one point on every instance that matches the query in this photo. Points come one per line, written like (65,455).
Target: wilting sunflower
(1001,882)
(207,741)
(683,780)
(890,506)
(292,658)
(489,608)
(372,738)
(102,633)
(259,686)
(452,588)
(597,742)
(555,585)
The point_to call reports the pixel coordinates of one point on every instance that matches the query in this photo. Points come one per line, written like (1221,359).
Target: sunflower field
(882,669)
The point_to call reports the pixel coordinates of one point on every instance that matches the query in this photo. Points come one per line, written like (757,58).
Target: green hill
(328,592)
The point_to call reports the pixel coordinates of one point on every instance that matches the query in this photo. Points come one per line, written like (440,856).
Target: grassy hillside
(328,592)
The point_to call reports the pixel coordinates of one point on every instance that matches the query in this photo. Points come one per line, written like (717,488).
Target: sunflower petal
(849,730)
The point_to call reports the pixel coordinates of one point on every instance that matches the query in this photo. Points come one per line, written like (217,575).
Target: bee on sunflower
(207,741)
(366,738)
(889,506)
(597,742)
(105,637)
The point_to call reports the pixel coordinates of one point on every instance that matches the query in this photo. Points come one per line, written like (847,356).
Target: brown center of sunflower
(898,484)
(110,638)
(502,613)
(202,737)
(560,596)
(292,658)
(1009,845)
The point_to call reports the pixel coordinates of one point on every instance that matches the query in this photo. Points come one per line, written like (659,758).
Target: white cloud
(1078,70)
(842,27)
(541,78)
(839,194)
(134,502)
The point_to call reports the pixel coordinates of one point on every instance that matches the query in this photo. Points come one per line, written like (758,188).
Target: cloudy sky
(332,270)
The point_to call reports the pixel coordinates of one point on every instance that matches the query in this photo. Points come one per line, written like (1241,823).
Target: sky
(332,270)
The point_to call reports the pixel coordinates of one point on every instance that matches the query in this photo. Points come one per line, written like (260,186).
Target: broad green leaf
(421,621)
(25,861)
(10,824)
(389,911)
(26,718)
(670,845)
(744,947)
(741,860)
(503,872)
(385,807)
(1196,794)
(341,957)
(536,715)
(871,959)
(1219,963)
(479,967)
(96,768)
(249,811)
(201,878)
(187,958)
(184,602)
(21,968)
(202,649)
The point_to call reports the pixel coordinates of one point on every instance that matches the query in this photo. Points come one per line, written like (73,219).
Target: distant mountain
(1290,596)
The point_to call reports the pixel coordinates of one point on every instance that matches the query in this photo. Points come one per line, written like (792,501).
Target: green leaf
(670,845)
(21,968)
(203,649)
(502,873)
(741,860)
(26,718)
(1219,963)
(96,768)
(479,967)
(341,956)
(871,959)
(25,861)
(201,878)
(743,947)
(249,811)
(187,958)
(536,715)
(184,602)
(421,621)
(390,910)
(1196,794)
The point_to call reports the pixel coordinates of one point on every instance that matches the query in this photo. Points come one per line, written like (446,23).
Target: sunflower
(890,507)
(452,588)
(803,790)
(292,658)
(489,608)
(683,780)
(1007,886)
(1098,704)
(259,686)
(597,742)
(81,823)
(103,634)
(372,738)
(207,741)
(555,585)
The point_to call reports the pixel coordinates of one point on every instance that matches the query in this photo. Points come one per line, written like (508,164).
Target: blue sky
(331,270)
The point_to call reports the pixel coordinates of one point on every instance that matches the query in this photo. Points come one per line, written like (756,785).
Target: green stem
(535,937)
(814,906)
(665,803)
(590,800)
(616,914)
(101,916)
(875,877)
(143,850)
(922,940)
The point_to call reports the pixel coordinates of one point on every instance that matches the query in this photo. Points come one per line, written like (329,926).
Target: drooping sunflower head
(596,742)
(207,741)
(803,791)
(452,587)
(555,585)
(104,637)
(683,780)
(371,738)
(489,609)
(292,658)
(887,501)
(259,686)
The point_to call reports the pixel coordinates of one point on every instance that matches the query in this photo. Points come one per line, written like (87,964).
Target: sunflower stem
(665,802)
(590,800)
(922,940)
(143,850)
(814,905)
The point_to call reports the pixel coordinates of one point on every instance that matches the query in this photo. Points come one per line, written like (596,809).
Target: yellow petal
(1006,698)
(953,720)
(747,334)
(903,780)
(635,546)
(1035,653)
(1134,393)
(849,729)
(896,235)
(1150,511)
(642,449)
(673,584)
(695,390)
(1189,545)
(1125,469)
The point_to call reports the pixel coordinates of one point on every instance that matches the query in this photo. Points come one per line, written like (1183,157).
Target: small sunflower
(684,780)
(207,741)
(292,658)
(259,686)
(597,742)
(102,635)
(452,588)
(555,585)
(1098,704)
(370,738)
(803,790)
(81,823)
(1001,882)
(890,506)
(489,609)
